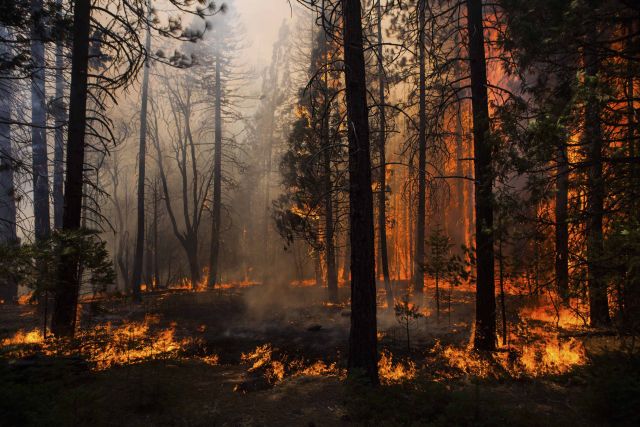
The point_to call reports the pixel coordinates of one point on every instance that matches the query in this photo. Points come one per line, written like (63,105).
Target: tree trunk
(562,225)
(191,248)
(485,333)
(139,251)
(38,126)
(156,266)
(217,182)
(418,260)
(363,354)
(8,236)
(598,303)
(68,274)
(346,265)
(60,112)
(382,190)
(330,252)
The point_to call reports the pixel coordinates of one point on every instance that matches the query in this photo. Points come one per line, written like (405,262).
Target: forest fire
(245,212)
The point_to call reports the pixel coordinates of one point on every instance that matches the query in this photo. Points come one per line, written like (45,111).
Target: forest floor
(275,356)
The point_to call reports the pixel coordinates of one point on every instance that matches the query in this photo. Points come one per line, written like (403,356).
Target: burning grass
(106,345)
(274,366)
(548,355)
(394,373)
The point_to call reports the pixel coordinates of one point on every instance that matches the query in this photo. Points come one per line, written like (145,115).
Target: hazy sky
(262,20)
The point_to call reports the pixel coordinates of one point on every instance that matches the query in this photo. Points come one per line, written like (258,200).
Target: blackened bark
(485,328)
(418,259)
(68,274)
(139,251)
(363,354)
(597,285)
(217,181)
(382,170)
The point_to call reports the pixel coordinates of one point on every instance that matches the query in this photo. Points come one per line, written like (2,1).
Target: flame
(22,337)
(303,283)
(553,356)
(261,358)
(276,368)
(393,373)
(106,346)
(560,315)
(25,299)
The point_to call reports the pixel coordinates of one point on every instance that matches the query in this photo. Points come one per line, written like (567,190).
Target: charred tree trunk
(418,260)
(597,286)
(363,353)
(139,251)
(485,329)
(68,274)
(217,182)
(382,190)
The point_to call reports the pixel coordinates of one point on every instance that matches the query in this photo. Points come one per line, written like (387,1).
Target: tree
(441,264)
(382,166)
(598,304)
(68,275)
(418,280)
(114,30)
(8,237)
(39,124)
(60,117)
(485,331)
(363,355)
(139,250)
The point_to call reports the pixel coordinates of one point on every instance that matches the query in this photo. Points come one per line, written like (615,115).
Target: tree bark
(363,354)
(60,112)
(139,251)
(485,327)
(418,260)
(382,190)
(68,274)
(217,181)
(562,225)
(8,236)
(330,252)
(597,286)
(38,126)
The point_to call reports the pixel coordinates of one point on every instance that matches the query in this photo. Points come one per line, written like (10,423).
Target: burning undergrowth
(549,354)
(273,366)
(106,345)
